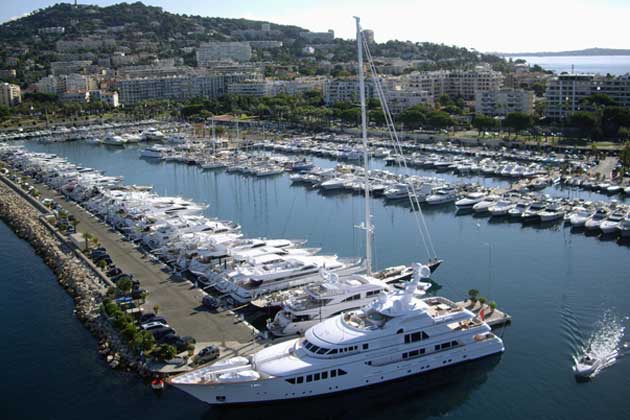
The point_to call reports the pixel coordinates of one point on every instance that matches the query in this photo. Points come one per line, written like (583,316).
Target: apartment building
(274,87)
(58,68)
(176,87)
(565,93)
(10,94)
(346,90)
(57,85)
(504,101)
(460,83)
(399,99)
(211,52)
(328,36)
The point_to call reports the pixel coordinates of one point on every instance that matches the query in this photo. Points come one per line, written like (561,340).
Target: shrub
(164,352)
(473,294)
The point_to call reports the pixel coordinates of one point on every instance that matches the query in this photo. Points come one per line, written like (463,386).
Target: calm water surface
(555,284)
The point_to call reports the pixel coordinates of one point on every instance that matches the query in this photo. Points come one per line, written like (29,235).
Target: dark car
(153,318)
(138,293)
(158,333)
(98,251)
(146,317)
(105,258)
(114,271)
(207,354)
(211,302)
(184,343)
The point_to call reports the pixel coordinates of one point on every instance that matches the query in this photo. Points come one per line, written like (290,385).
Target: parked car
(184,343)
(158,333)
(146,317)
(114,271)
(207,354)
(152,325)
(153,318)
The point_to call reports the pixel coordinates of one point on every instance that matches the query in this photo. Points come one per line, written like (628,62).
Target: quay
(494,318)
(178,299)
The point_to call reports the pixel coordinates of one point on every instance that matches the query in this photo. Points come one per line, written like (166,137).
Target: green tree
(585,122)
(473,294)
(483,123)
(439,119)
(517,121)
(539,89)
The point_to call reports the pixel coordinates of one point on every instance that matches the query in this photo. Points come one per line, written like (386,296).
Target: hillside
(150,32)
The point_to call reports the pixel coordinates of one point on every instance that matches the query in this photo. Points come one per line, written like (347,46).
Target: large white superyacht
(396,336)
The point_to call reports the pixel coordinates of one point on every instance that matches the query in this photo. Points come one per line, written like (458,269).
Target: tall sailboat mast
(368,222)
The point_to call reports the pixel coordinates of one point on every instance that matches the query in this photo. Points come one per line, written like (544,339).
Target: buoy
(157,384)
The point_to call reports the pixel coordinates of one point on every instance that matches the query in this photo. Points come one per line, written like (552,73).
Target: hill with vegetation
(139,28)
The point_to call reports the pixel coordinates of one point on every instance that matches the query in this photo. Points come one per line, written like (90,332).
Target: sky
(485,25)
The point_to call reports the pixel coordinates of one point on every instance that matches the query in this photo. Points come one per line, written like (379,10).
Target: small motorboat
(585,366)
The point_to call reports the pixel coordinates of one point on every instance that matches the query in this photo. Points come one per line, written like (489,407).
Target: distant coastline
(583,53)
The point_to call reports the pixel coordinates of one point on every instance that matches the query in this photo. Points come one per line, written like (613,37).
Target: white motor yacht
(441,196)
(611,224)
(396,336)
(579,216)
(501,208)
(334,295)
(484,205)
(624,227)
(470,200)
(595,221)
(551,213)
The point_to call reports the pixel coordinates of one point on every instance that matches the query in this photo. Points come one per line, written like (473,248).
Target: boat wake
(603,347)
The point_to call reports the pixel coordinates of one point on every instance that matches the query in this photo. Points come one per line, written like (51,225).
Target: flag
(482,314)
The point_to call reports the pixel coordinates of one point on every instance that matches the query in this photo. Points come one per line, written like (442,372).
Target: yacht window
(309,378)
(413,353)
(300,379)
(446,345)
(324,375)
(333,351)
(317,377)
(437,347)
(365,346)
(322,350)
(341,372)
(333,373)
(291,380)
(314,348)
(454,343)
(405,355)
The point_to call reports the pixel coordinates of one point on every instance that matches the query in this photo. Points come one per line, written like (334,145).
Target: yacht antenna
(366,176)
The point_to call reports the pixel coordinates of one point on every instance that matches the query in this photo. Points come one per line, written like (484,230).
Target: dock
(179,301)
(494,318)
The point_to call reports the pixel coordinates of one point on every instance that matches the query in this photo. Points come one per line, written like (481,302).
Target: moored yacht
(396,336)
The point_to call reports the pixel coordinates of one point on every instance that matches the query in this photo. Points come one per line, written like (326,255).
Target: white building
(462,83)
(57,85)
(565,93)
(110,98)
(318,36)
(178,87)
(10,94)
(505,101)
(345,90)
(212,52)
(399,99)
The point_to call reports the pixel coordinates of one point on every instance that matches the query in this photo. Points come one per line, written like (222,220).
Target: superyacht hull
(358,375)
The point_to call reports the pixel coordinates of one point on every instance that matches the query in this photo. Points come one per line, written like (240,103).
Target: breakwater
(72,274)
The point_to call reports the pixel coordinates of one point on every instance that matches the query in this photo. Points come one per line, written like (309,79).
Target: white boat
(518,209)
(532,213)
(484,205)
(113,140)
(611,224)
(441,196)
(596,220)
(152,152)
(551,214)
(624,227)
(319,301)
(588,365)
(396,336)
(470,200)
(579,216)
(501,208)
